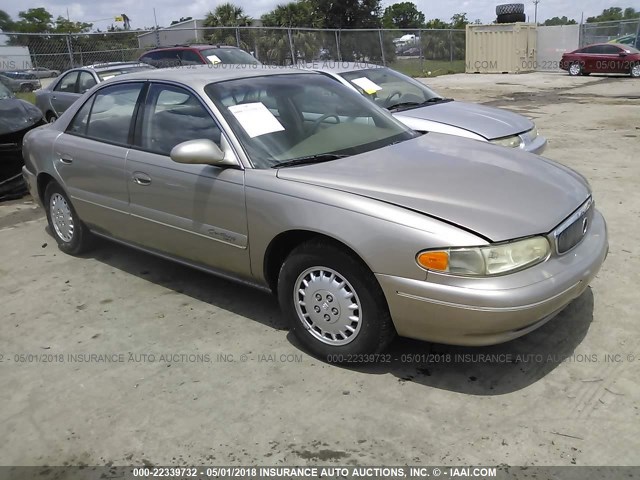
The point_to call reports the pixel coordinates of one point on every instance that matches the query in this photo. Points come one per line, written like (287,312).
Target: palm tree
(227,15)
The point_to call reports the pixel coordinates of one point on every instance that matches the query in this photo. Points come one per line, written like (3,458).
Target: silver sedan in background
(423,110)
(60,94)
(294,183)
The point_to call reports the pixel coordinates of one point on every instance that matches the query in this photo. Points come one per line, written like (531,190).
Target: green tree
(6,24)
(613,14)
(404,15)
(436,24)
(63,25)
(292,14)
(459,21)
(34,20)
(559,21)
(227,15)
(348,13)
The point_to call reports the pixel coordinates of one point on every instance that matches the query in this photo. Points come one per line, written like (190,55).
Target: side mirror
(623,54)
(200,151)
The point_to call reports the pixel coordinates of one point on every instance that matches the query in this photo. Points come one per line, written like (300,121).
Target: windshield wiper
(431,101)
(322,157)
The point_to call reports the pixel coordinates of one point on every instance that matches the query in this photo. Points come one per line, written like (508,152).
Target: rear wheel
(334,303)
(575,69)
(70,233)
(635,70)
(51,117)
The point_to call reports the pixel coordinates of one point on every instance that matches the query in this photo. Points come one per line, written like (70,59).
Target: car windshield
(228,55)
(5,92)
(631,49)
(390,89)
(114,72)
(285,118)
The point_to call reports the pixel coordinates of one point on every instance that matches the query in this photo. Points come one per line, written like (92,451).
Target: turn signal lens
(434,260)
(497,259)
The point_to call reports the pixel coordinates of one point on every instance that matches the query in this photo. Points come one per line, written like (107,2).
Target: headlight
(486,261)
(512,142)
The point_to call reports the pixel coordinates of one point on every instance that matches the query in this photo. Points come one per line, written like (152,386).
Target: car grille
(571,232)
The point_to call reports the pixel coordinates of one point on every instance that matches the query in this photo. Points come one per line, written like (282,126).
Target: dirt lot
(561,403)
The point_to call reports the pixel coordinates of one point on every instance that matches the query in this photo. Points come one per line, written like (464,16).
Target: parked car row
(304,183)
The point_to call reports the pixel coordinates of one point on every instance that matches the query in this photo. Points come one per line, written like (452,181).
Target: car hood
(489,122)
(496,192)
(16,115)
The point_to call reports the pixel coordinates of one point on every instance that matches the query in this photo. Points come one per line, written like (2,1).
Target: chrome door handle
(64,158)
(141,179)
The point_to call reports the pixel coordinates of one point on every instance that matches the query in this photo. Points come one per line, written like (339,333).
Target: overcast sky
(101,13)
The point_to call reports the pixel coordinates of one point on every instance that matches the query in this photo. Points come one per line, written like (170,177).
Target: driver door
(193,212)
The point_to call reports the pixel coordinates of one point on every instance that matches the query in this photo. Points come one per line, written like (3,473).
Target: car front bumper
(487,311)
(537,146)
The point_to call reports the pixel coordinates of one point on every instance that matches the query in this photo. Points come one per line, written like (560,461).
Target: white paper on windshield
(214,59)
(256,119)
(367,85)
(107,77)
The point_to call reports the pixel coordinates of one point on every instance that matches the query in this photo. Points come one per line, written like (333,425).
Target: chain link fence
(624,31)
(416,52)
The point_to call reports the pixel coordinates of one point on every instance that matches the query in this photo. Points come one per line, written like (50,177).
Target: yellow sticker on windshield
(367,85)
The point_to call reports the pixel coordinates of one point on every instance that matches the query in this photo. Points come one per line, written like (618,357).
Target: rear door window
(108,114)
(67,84)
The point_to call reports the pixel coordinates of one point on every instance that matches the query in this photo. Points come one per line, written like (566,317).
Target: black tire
(81,238)
(512,18)
(575,69)
(51,117)
(509,8)
(375,330)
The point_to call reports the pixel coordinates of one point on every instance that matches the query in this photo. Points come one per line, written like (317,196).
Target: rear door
(65,92)
(195,212)
(90,157)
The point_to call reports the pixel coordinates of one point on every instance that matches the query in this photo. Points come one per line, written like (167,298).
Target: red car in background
(602,58)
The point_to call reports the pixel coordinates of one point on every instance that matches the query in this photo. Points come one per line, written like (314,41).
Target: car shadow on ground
(492,370)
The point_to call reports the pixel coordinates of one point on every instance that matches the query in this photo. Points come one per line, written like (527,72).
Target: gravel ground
(561,402)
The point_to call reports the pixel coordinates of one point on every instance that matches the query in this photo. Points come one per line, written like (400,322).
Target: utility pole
(535,17)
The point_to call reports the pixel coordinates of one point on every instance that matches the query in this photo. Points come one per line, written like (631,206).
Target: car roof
(619,45)
(201,75)
(194,47)
(332,66)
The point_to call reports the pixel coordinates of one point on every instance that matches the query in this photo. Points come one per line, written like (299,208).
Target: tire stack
(510,13)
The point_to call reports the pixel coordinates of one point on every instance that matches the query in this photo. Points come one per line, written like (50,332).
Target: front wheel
(635,70)
(575,69)
(70,233)
(335,304)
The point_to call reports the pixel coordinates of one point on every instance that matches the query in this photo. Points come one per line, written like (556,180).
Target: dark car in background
(602,58)
(60,94)
(17,117)
(179,55)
